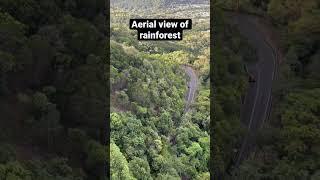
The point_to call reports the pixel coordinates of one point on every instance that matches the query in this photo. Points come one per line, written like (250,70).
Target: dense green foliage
(232,52)
(152,135)
(52,89)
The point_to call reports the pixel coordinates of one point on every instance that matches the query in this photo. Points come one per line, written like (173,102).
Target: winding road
(257,103)
(192,86)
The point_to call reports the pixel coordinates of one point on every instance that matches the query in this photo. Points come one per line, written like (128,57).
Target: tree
(96,154)
(7,153)
(140,168)
(14,170)
(119,166)
(7,63)
(40,101)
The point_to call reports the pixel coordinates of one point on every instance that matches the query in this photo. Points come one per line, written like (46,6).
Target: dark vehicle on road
(251,78)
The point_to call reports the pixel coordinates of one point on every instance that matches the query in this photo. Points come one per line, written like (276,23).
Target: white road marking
(274,54)
(255,99)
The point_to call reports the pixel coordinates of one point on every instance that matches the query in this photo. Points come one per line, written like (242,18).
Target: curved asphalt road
(192,86)
(257,102)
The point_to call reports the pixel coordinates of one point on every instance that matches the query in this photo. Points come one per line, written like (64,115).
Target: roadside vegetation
(231,54)
(288,145)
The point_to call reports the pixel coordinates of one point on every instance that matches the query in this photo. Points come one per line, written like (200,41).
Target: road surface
(192,86)
(257,102)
